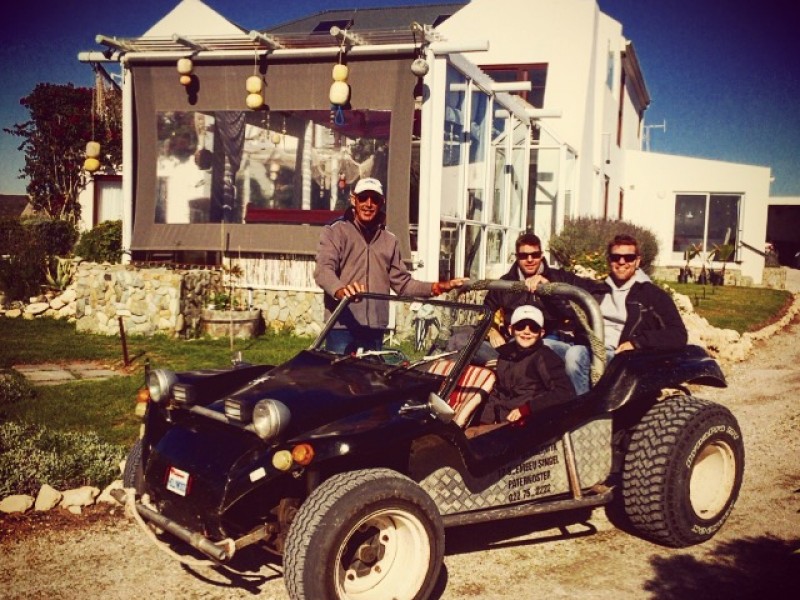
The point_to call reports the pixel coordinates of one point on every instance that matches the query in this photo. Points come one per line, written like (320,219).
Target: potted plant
(226,312)
(689,254)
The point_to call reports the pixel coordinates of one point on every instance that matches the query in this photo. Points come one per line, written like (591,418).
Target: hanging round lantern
(185,66)
(254,84)
(420,67)
(340,72)
(339,93)
(185,80)
(254,101)
(91,164)
(274,169)
(92,149)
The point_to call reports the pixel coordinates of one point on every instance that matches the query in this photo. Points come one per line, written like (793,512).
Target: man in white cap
(530,376)
(356,253)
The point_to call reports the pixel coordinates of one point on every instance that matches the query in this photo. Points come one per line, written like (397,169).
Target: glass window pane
(690,221)
(495,265)
(453,156)
(472,252)
(500,160)
(476,143)
(518,173)
(723,220)
(247,166)
(448,249)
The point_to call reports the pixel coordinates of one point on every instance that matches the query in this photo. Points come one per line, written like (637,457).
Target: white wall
(574,38)
(654,179)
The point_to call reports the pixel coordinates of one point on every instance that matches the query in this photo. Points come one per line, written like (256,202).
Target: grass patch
(48,340)
(106,407)
(739,308)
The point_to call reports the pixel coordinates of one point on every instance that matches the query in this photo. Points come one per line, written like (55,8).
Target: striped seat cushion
(472,389)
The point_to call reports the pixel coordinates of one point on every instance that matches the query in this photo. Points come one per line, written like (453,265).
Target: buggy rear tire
(683,471)
(365,535)
(133,474)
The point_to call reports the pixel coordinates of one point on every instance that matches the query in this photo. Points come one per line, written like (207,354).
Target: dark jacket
(527,378)
(559,317)
(653,321)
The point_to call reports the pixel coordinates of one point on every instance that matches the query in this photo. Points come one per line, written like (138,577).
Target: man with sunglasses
(559,319)
(637,314)
(356,253)
(530,376)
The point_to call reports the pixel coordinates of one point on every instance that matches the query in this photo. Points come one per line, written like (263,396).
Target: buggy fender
(638,374)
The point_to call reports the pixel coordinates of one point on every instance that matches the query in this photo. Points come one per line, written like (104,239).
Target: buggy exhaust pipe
(195,540)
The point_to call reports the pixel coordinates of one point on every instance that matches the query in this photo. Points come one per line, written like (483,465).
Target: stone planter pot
(218,323)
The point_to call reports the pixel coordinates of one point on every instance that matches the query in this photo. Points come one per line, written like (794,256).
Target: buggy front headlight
(270,418)
(159,384)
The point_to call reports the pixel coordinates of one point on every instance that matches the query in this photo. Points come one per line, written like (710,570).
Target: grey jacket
(345,256)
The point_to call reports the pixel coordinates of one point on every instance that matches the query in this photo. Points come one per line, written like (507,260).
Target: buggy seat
(472,389)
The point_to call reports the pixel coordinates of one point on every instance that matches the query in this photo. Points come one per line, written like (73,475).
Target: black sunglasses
(376,199)
(614,257)
(529,255)
(526,324)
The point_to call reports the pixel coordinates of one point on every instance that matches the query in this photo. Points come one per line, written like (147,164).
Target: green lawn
(106,407)
(732,307)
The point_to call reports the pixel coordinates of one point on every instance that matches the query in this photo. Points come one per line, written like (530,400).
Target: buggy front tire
(683,471)
(133,474)
(365,535)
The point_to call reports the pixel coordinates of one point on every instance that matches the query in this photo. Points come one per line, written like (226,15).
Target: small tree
(63,119)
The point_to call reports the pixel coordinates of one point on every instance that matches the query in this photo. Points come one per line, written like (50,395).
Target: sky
(723,75)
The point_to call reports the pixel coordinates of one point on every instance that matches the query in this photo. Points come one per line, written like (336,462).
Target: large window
(483,179)
(705,221)
(252,167)
(535,73)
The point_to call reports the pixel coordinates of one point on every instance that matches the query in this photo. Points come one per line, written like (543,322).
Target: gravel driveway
(105,555)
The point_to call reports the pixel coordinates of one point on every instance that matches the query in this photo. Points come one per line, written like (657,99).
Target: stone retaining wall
(170,301)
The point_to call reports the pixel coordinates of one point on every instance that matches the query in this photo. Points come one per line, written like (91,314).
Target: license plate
(178,481)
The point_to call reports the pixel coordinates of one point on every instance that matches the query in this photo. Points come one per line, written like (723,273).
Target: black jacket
(653,321)
(532,376)
(559,318)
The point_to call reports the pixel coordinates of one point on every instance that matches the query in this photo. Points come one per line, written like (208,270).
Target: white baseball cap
(368,184)
(527,312)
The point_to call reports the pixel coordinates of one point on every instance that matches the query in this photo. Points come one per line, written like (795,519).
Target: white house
(522,113)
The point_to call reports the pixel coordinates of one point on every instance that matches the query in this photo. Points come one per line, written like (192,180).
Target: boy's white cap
(368,184)
(527,312)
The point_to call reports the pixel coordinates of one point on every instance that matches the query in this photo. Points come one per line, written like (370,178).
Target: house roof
(195,18)
(12,206)
(201,28)
(398,19)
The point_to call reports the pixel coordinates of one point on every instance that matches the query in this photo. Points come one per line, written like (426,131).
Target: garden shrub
(11,233)
(584,240)
(102,243)
(32,455)
(57,237)
(27,247)
(13,388)
(22,271)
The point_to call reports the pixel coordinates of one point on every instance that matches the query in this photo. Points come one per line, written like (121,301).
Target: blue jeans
(573,357)
(346,341)
(578,362)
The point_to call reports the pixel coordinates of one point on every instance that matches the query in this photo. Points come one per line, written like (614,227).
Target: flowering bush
(31,455)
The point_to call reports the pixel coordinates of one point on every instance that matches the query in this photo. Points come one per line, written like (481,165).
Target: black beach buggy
(351,466)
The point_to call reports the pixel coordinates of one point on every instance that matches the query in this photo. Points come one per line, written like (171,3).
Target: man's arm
(672,331)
